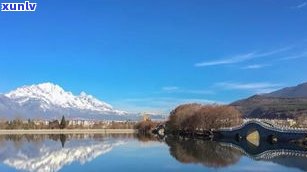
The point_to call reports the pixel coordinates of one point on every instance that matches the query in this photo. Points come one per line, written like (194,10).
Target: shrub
(196,116)
(145,126)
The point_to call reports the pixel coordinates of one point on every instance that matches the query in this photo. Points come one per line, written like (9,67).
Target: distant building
(40,122)
(84,123)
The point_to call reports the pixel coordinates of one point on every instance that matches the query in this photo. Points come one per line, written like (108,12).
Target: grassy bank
(69,131)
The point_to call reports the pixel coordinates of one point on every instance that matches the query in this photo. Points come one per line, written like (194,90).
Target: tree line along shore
(67,131)
(184,118)
(189,118)
(62,124)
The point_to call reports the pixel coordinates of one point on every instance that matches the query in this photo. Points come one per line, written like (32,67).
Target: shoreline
(68,131)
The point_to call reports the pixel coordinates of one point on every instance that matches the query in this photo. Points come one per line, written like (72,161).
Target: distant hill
(299,91)
(289,102)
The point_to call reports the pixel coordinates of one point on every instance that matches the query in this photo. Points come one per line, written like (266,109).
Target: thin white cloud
(276,51)
(302,55)
(261,87)
(255,66)
(163,105)
(199,91)
(300,5)
(235,59)
(175,89)
(159,105)
(240,58)
(170,88)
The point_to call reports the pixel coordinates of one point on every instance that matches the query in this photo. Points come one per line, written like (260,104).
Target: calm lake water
(76,153)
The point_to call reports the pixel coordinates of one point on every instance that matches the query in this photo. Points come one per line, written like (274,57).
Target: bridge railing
(267,124)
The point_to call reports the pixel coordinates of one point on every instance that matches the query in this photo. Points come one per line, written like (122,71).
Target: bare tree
(180,114)
(195,117)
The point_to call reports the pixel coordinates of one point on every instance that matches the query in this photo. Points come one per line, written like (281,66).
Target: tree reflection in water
(147,138)
(207,153)
(19,140)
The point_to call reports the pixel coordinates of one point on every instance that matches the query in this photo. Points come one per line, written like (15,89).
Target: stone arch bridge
(270,140)
(263,131)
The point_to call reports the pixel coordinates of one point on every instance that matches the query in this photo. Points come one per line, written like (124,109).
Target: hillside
(289,102)
(299,91)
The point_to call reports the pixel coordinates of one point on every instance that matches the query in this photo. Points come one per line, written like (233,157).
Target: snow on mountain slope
(50,100)
(53,95)
(49,156)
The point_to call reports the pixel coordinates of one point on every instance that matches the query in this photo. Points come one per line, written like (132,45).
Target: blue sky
(152,55)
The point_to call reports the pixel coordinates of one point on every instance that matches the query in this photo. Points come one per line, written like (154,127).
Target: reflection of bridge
(267,154)
(271,142)
(265,131)
(288,154)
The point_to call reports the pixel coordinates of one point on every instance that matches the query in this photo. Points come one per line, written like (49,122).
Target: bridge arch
(266,132)
(253,136)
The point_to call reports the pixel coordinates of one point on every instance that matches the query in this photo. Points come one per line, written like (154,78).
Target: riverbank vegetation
(146,126)
(30,124)
(193,117)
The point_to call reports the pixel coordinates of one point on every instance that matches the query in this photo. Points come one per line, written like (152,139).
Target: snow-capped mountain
(52,95)
(49,100)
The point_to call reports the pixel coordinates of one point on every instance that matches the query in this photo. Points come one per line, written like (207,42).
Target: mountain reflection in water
(50,153)
(44,153)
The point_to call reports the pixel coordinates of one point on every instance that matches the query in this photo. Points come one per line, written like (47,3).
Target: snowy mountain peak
(52,96)
(35,91)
